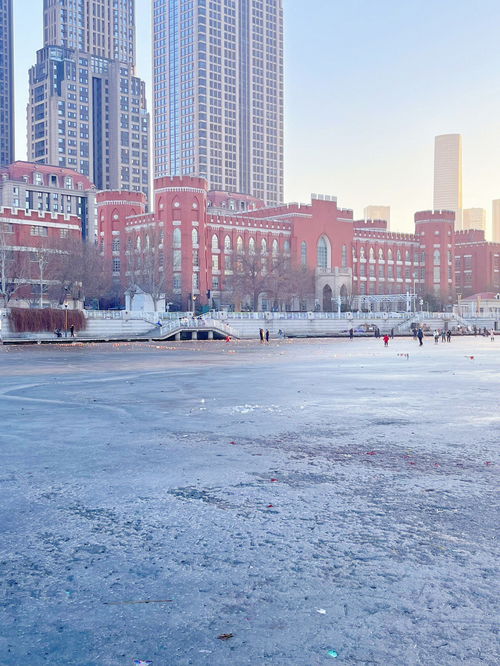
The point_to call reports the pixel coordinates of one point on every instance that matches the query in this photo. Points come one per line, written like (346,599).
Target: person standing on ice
(492,335)
(267,335)
(448,335)
(386,340)
(351,333)
(261,334)
(436,336)
(420,336)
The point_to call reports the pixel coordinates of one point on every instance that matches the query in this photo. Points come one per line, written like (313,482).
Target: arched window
(176,238)
(372,254)
(380,254)
(398,256)
(303,253)
(362,253)
(138,243)
(263,245)
(227,243)
(389,254)
(215,242)
(195,236)
(286,247)
(251,245)
(437,258)
(344,256)
(275,248)
(322,253)
(407,255)
(239,244)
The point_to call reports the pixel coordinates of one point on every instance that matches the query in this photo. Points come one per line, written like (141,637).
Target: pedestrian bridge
(195,328)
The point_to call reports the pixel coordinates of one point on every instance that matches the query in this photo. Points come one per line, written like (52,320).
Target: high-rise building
(6,84)
(474,218)
(495,222)
(105,28)
(448,175)
(378,213)
(218,93)
(87,109)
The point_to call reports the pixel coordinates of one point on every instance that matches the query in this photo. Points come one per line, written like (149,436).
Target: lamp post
(66,320)
(194,303)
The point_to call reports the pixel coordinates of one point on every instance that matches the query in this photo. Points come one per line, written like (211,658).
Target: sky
(368,84)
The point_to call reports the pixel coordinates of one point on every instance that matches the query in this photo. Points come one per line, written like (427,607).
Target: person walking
(392,333)
(267,335)
(351,333)
(420,336)
(448,335)
(261,334)
(436,336)
(492,335)
(386,340)
(443,335)
(72,330)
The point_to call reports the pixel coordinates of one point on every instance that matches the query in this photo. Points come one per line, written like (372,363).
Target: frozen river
(318,500)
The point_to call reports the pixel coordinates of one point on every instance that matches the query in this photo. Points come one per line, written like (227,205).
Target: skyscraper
(474,218)
(378,213)
(6,84)
(495,222)
(218,93)
(448,175)
(104,28)
(87,109)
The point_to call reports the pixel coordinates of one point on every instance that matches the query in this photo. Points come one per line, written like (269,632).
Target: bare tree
(146,266)
(250,278)
(14,265)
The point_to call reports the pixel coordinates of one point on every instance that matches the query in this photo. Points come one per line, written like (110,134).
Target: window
(215,242)
(177,260)
(437,258)
(303,253)
(251,246)
(196,258)
(398,256)
(116,265)
(195,237)
(115,246)
(39,231)
(239,244)
(380,254)
(215,262)
(344,256)
(286,247)
(63,233)
(372,254)
(322,253)
(177,281)
(389,254)
(263,245)
(177,240)
(227,244)
(407,255)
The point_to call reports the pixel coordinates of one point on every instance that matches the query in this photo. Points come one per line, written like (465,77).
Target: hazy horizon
(367,87)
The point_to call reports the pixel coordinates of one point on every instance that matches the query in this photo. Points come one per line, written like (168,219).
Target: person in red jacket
(386,340)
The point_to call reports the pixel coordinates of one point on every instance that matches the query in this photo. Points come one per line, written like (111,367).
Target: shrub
(23,320)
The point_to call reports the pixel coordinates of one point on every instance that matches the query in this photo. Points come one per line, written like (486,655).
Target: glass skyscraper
(218,93)
(87,109)
(6,84)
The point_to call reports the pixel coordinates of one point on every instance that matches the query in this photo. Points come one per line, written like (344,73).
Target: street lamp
(194,303)
(66,319)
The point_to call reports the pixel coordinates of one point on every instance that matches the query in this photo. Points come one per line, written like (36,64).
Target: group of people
(58,332)
(443,334)
(264,335)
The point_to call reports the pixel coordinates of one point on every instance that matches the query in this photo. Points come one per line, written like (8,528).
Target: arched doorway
(327,298)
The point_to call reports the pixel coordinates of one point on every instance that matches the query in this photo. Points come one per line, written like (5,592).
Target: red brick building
(29,243)
(200,235)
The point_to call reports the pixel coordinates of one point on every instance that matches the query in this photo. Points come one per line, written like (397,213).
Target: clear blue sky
(369,83)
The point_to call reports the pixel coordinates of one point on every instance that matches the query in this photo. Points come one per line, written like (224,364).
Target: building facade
(87,109)
(45,188)
(448,175)
(206,240)
(218,93)
(477,263)
(6,84)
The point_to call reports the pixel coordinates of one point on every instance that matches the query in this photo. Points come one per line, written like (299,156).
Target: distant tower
(448,175)
(474,218)
(495,222)
(7,85)
(218,93)
(378,213)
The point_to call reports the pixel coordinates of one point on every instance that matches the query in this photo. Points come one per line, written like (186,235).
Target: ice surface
(139,519)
